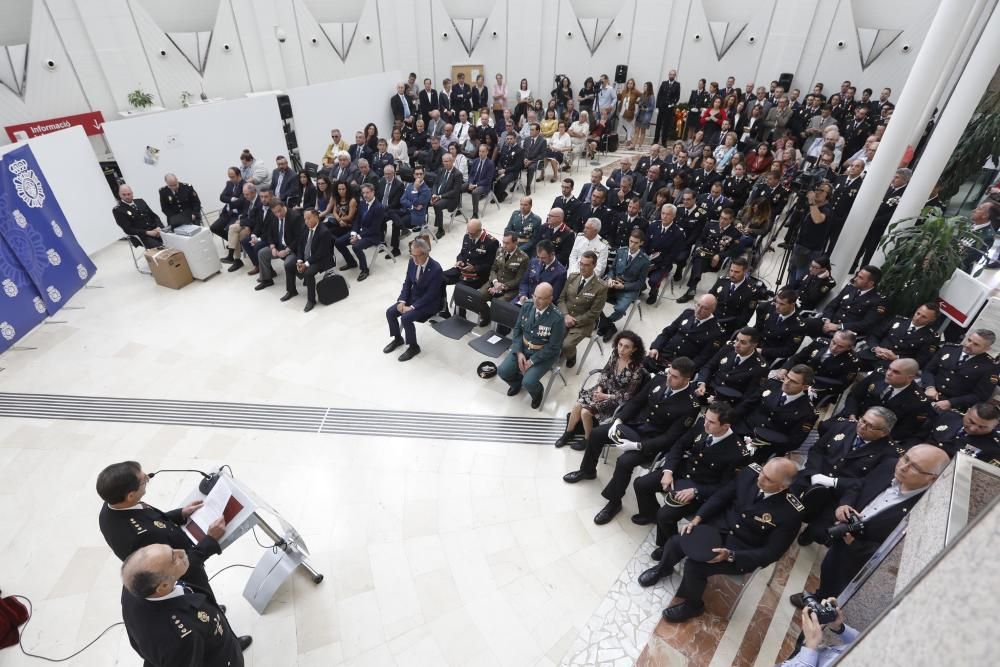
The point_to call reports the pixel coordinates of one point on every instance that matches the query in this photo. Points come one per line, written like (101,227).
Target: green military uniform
(538,337)
(527,228)
(509,269)
(585,303)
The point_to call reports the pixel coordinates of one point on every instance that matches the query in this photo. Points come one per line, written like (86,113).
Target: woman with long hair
(371,137)
(397,148)
(524,100)
(628,100)
(499,100)
(306,196)
(647,105)
(324,199)
(759,161)
(345,207)
(549,124)
(711,120)
(620,380)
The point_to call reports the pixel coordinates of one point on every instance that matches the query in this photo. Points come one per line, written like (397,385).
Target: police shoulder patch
(794,501)
(755,467)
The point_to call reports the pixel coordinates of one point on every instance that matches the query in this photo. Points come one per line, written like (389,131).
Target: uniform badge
(994,379)
(203,617)
(718,290)
(824,289)
(683,322)
(724,360)
(942,427)
(766,393)
(815,352)
(838,437)
(128,211)
(945,356)
(895,325)
(845,296)
(880,310)
(794,502)
(159,524)
(765,518)
(755,467)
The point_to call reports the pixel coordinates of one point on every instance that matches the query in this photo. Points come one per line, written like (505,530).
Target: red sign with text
(90,122)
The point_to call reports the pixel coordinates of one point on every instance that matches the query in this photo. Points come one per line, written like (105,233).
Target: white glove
(823,480)
(613,432)
(628,445)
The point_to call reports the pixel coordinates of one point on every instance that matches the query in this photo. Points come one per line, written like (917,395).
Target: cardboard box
(169,267)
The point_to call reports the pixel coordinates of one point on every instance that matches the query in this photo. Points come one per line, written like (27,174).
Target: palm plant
(921,257)
(979,143)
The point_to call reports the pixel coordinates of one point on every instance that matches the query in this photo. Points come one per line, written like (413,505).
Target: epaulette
(756,467)
(794,501)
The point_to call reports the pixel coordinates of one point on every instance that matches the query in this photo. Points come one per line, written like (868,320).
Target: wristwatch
(732,556)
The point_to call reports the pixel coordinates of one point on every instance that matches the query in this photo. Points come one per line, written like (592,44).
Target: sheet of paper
(219,502)
(494,339)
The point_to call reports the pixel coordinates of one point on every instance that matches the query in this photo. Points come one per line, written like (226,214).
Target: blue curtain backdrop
(41,263)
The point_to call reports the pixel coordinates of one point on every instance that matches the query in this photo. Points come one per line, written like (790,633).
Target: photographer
(810,225)
(812,653)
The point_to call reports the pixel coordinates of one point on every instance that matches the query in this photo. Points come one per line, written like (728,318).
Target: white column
(955,118)
(927,70)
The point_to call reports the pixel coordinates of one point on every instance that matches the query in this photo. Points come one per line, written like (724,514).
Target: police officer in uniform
(737,187)
(771,189)
(647,424)
(974,432)
(781,416)
(897,391)
(581,301)
(622,226)
(912,337)
(568,202)
(474,261)
(691,217)
(738,295)
(960,376)
(179,203)
(666,246)
(832,360)
(701,179)
(697,465)
(694,334)
(882,216)
(136,218)
(781,327)
(526,226)
(537,342)
(714,202)
(510,162)
(816,284)
(594,208)
(509,267)
(128,524)
(171,623)
(758,519)
(845,191)
(735,372)
(858,307)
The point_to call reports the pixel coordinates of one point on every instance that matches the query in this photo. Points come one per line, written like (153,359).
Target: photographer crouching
(817,614)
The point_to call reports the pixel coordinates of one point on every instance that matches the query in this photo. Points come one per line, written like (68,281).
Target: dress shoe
(657,554)
(609,333)
(347,267)
(797,600)
(579,445)
(444,314)
(570,362)
(440,234)
(409,353)
(264,284)
(514,390)
(288,295)
(363,275)
(236,266)
(404,232)
(245,642)
(687,296)
(650,577)
(309,306)
(577,476)
(536,401)
(564,440)
(483,321)
(396,252)
(228,259)
(641,520)
(608,512)
(651,299)
(683,611)
(393,344)
(678,273)
(254,271)
(222,608)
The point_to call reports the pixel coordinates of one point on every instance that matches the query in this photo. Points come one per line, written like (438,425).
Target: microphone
(206,484)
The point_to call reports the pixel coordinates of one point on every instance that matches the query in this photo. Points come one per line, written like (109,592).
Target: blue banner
(41,263)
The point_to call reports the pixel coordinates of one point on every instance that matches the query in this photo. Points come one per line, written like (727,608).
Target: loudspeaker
(785,81)
(284,107)
(621,73)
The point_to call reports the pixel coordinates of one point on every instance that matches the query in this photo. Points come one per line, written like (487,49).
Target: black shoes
(347,267)
(245,642)
(410,352)
(444,314)
(483,321)
(395,252)
(309,306)
(678,273)
(363,275)
(650,577)
(288,295)
(264,284)
(641,520)
(683,611)
(651,299)
(236,265)
(687,296)
(536,401)
(579,445)
(564,440)
(440,234)
(393,344)
(228,259)
(514,390)
(577,476)
(609,333)
(570,362)
(608,513)
(657,554)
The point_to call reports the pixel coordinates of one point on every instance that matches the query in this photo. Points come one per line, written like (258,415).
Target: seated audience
(284,182)
(781,416)
(589,240)
(858,307)
(832,360)
(537,341)
(481,175)
(581,303)
(367,231)
(896,390)
(509,268)
(179,202)
(306,195)
(233,204)
(280,239)
(626,277)
(254,171)
(525,225)
(736,372)
(415,201)
(447,192)
(418,300)
(314,255)
(137,220)
(474,261)
(960,376)
(973,432)
(389,191)
(694,334)
(901,336)
(544,268)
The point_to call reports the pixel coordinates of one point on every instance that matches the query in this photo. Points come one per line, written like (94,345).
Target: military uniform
(181,631)
(701,181)
(621,228)
(912,409)
(736,303)
(878,225)
(585,212)
(729,379)
(840,452)
(696,463)
(845,191)
(182,207)
(562,238)
(949,434)
(713,205)
(686,337)
(670,243)
(789,420)
(136,219)
(780,337)
(129,530)
(477,254)
(538,337)
(861,313)
(508,269)
(693,221)
(553,274)
(907,341)
(568,206)
(527,229)
(963,383)
(833,371)
(813,290)
(583,303)
(737,189)
(714,240)
(757,530)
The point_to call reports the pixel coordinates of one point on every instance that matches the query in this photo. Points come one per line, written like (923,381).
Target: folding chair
(382,249)
(502,313)
(555,371)
(455,213)
(135,243)
(636,306)
(456,327)
(595,338)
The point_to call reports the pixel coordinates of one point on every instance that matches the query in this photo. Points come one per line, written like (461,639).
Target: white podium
(199,251)
(243,510)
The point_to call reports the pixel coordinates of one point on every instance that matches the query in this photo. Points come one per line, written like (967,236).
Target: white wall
(197,144)
(348,104)
(68,163)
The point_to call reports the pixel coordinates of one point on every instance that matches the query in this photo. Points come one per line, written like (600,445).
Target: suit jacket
(232,198)
(813,290)
(779,338)
(534,149)
(423,295)
(289,184)
(185,201)
(255,215)
(321,253)
(448,186)
(396,188)
(684,337)
(378,162)
(349,174)
(585,210)
(835,455)
(428,102)
(793,419)
(294,224)
(657,418)
(482,173)
(758,530)
(963,383)
(435,128)
(633,274)
(668,95)
(860,313)
(861,492)
(461,97)
(358,151)
(669,242)
(396,104)
(369,220)
(921,344)
(583,304)
(697,465)
(912,408)
(136,219)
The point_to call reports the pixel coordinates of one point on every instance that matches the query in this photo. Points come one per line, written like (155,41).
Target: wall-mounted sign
(91,122)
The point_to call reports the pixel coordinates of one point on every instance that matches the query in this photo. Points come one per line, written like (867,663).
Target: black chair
(463,298)
(493,343)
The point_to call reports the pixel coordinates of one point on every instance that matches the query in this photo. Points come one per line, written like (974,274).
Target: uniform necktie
(309,242)
(910,329)
(858,442)
(583,282)
(628,261)
(709,441)
(668,392)
(886,394)
(962,357)
(760,496)
(187,589)
(506,257)
(782,399)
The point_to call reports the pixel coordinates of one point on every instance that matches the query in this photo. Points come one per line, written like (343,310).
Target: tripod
(781,222)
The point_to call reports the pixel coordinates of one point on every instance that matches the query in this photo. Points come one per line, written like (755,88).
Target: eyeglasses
(907,463)
(868,424)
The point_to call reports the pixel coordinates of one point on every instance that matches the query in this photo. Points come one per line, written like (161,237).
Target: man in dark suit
(461,95)
(695,333)
(646,425)
(481,175)
(428,103)
(832,361)
(858,307)
(171,622)
(367,231)
(781,416)
(401,110)
(666,99)
(136,219)
(898,391)
(256,217)
(781,329)
(228,225)
(344,171)
(389,191)
(314,255)
(626,277)
(882,499)
(535,148)
(738,295)
(284,181)
(447,192)
(474,261)
(756,518)
(960,376)
(128,524)
(509,164)
(419,298)
(280,239)
(179,202)
(666,245)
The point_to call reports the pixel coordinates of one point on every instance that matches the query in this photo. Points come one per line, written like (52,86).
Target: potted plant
(140,99)
(921,257)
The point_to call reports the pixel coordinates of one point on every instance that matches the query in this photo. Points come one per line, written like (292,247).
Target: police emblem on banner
(27,185)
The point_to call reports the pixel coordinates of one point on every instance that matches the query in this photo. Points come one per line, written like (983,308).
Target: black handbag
(332,288)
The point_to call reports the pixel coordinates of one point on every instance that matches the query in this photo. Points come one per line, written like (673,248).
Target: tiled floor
(435,552)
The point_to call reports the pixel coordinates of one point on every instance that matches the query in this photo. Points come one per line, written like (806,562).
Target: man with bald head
(537,342)
(897,391)
(179,202)
(880,501)
(752,521)
(136,219)
(474,261)
(694,334)
(561,236)
(169,622)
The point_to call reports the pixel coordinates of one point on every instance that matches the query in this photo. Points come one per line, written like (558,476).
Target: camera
(825,612)
(854,526)
(805,181)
